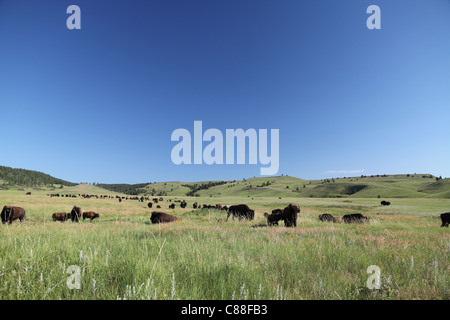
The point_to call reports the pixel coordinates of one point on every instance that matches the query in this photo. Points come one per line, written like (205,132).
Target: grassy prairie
(123,256)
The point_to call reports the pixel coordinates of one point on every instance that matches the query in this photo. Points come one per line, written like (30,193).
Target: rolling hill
(11,178)
(383,186)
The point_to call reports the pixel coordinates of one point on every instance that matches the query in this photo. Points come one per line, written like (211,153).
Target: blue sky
(99,104)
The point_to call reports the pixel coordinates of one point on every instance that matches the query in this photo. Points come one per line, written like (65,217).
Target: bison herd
(241,211)
(74,215)
(288,215)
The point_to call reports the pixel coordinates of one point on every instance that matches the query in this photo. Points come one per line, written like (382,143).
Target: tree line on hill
(29,178)
(201,186)
(131,189)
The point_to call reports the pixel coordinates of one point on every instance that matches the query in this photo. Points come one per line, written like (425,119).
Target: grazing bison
(290,214)
(326,217)
(195,205)
(274,217)
(385,203)
(241,211)
(162,217)
(183,204)
(90,215)
(445,217)
(172,206)
(355,218)
(11,213)
(60,216)
(75,214)
(150,205)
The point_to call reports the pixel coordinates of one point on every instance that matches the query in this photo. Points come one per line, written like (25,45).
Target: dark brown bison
(274,217)
(162,217)
(150,205)
(60,216)
(290,214)
(183,204)
(355,218)
(195,205)
(326,217)
(172,206)
(385,203)
(242,211)
(90,215)
(75,214)
(11,213)
(445,217)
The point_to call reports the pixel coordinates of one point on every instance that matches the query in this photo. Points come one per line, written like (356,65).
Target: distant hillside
(384,186)
(27,178)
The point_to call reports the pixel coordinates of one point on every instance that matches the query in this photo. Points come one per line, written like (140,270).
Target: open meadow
(122,255)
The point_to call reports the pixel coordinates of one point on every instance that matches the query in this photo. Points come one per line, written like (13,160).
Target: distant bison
(150,205)
(195,205)
(90,215)
(161,217)
(242,211)
(385,203)
(11,213)
(326,217)
(75,214)
(445,217)
(355,218)
(60,216)
(172,206)
(274,217)
(290,214)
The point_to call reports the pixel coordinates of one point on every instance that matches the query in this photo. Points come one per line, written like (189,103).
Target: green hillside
(391,186)
(383,186)
(11,178)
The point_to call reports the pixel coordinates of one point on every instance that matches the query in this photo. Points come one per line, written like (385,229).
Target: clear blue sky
(99,104)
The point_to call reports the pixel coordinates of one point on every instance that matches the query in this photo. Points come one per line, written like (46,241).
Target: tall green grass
(123,256)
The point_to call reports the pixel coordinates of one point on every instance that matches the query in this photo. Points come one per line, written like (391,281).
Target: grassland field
(122,255)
